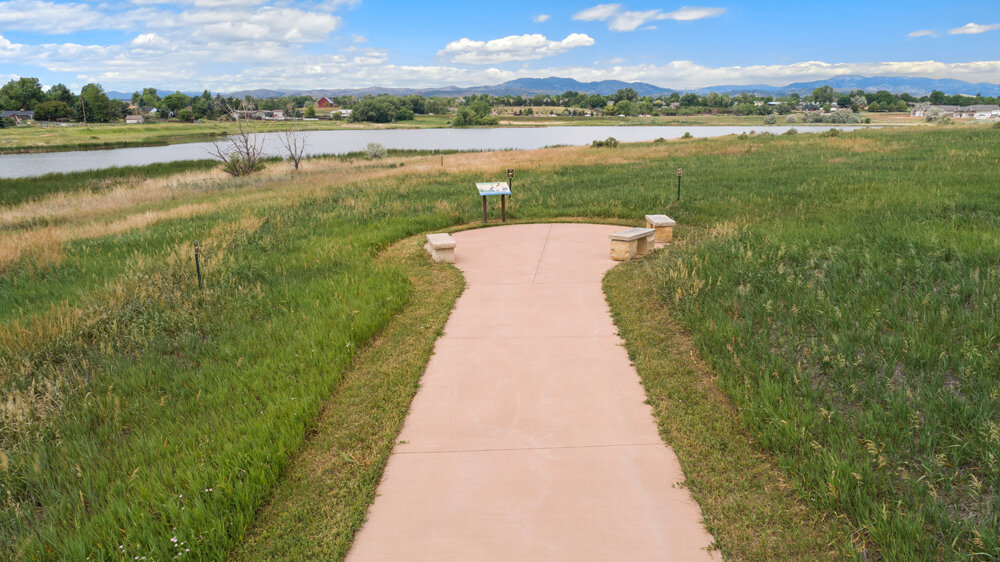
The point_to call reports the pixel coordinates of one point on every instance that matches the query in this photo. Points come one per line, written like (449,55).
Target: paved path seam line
(541,255)
(554,447)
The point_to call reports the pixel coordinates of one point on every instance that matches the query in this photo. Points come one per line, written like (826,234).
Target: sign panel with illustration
(493,188)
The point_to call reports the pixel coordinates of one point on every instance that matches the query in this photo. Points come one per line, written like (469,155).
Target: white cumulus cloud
(691,13)
(541,18)
(8,49)
(49,17)
(511,48)
(620,19)
(973,29)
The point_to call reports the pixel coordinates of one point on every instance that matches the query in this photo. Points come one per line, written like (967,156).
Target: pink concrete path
(529,438)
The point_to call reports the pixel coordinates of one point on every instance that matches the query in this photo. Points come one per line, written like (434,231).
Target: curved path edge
(530,438)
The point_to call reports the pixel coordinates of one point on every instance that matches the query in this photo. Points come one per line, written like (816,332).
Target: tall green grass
(154,411)
(850,303)
(843,288)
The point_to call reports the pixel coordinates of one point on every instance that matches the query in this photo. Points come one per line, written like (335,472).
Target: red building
(324,102)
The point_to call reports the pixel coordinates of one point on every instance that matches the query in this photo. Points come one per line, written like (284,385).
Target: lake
(339,142)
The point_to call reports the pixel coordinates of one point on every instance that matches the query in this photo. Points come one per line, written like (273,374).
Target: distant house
(134,119)
(984,111)
(324,102)
(958,111)
(19,117)
(270,115)
(345,113)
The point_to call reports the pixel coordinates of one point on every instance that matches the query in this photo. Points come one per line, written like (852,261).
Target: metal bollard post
(197,264)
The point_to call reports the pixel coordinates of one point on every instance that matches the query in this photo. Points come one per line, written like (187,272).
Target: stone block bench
(632,243)
(441,247)
(664,226)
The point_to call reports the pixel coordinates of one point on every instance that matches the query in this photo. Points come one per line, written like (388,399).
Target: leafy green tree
(149,98)
(93,105)
(627,94)
(437,105)
(624,107)
(937,97)
(381,109)
(824,94)
(311,112)
(844,101)
(176,101)
(52,111)
(481,108)
(117,110)
(596,101)
(477,112)
(783,108)
(540,99)
(416,103)
(185,115)
(21,94)
(690,100)
(464,117)
(202,108)
(60,92)
(885,98)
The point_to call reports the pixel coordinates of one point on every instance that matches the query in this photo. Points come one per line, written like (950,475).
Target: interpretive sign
(493,188)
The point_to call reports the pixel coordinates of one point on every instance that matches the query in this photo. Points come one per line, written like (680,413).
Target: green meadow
(835,296)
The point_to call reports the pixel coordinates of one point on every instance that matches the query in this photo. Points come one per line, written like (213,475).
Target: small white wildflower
(173,539)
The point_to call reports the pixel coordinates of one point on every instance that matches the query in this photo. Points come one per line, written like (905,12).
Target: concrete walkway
(529,438)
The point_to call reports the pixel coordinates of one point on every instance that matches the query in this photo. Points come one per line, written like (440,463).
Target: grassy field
(832,303)
(117,135)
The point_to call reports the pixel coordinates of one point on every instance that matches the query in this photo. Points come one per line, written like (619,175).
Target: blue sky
(225,45)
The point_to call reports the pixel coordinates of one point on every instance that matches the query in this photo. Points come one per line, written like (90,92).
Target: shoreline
(205,136)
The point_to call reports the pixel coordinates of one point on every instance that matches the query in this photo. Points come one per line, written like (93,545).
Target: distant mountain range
(895,84)
(554,85)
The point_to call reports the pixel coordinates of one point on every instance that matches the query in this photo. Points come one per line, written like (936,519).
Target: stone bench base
(441,247)
(664,226)
(632,243)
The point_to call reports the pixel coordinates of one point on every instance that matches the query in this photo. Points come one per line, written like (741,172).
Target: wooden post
(503,208)
(484,208)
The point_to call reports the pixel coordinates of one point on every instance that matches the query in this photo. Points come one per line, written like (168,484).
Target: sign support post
(494,188)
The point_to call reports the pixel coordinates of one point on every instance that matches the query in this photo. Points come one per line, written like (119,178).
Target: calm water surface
(339,142)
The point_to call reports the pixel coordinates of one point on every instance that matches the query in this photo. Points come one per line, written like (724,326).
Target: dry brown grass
(125,206)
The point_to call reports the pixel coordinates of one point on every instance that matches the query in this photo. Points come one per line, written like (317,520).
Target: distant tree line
(93,105)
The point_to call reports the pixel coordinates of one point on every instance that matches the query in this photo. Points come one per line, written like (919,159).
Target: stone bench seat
(441,247)
(664,226)
(632,243)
